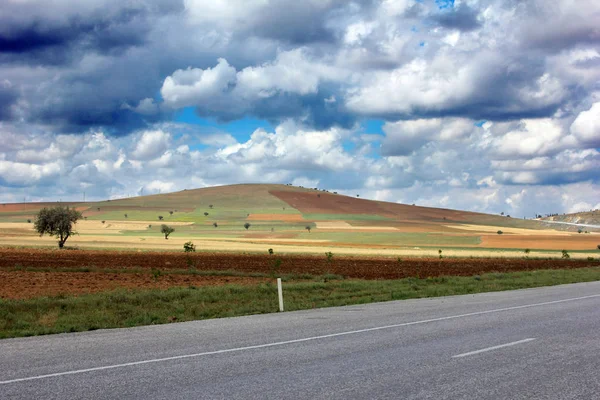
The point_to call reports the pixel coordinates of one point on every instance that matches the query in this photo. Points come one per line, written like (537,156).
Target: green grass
(123,308)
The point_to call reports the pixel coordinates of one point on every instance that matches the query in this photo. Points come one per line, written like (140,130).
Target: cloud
(404,137)
(586,127)
(463,18)
(480,101)
(151,144)
(289,86)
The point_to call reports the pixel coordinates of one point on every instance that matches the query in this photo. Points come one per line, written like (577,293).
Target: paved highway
(528,344)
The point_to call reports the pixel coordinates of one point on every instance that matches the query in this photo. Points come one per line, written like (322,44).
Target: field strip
(286,342)
(518,231)
(252,245)
(500,346)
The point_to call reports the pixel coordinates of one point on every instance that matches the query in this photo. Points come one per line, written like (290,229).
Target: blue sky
(484,105)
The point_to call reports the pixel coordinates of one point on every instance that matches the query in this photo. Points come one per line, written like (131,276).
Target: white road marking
(493,348)
(261,346)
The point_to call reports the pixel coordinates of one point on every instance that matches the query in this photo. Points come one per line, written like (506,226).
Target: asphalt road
(529,344)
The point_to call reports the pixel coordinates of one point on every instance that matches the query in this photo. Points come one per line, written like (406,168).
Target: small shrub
(399,260)
(527,251)
(276,266)
(499,232)
(565,254)
(160,217)
(125,215)
(170,212)
(270,252)
(215,225)
(210,206)
(156,274)
(150,226)
(166,230)
(189,247)
(329,256)
(247,225)
(579,230)
(590,258)
(28,221)
(206,214)
(103,222)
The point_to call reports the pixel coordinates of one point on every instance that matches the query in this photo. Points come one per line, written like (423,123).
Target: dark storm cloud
(82,95)
(40,42)
(463,18)
(129,49)
(8,96)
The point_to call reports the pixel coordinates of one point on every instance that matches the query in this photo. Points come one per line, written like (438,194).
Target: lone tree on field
(206,214)
(57,221)
(307,228)
(160,217)
(247,225)
(171,212)
(215,224)
(166,230)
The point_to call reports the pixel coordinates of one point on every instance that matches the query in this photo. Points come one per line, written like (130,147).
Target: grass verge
(121,308)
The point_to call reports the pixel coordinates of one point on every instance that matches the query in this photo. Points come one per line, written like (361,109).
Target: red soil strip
(19,207)
(26,284)
(327,203)
(48,283)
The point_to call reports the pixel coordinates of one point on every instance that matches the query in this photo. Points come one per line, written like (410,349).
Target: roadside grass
(189,271)
(122,308)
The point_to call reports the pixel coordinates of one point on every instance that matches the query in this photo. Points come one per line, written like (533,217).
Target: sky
(481,105)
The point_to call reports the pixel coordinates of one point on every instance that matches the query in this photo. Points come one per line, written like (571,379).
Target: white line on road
(493,348)
(261,346)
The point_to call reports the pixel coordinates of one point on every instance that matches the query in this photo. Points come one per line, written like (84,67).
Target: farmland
(410,250)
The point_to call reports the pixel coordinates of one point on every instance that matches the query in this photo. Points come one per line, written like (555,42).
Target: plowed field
(17,282)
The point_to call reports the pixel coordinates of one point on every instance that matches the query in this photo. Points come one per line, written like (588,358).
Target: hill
(591,217)
(256,217)
(268,202)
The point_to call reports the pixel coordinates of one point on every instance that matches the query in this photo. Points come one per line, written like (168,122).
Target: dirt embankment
(21,283)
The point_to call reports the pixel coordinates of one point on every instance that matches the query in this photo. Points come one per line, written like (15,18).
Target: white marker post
(280,293)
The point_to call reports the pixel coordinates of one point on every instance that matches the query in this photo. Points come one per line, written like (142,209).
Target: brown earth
(30,284)
(33,207)
(327,203)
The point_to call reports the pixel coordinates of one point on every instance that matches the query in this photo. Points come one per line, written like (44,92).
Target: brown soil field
(33,207)
(30,283)
(327,203)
